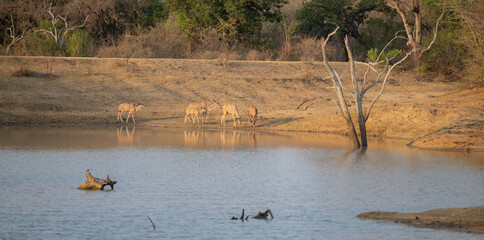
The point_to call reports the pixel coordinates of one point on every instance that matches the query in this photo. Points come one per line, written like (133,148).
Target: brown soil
(469,219)
(430,114)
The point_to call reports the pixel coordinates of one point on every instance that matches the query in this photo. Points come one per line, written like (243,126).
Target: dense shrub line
(257,30)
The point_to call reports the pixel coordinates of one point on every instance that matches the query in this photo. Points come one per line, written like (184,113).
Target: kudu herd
(197,111)
(201,109)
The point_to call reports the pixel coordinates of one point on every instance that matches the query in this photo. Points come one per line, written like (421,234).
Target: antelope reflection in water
(127,138)
(194,138)
(251,139)
(230,139)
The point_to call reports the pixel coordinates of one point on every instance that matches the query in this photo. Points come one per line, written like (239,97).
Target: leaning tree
(360,86)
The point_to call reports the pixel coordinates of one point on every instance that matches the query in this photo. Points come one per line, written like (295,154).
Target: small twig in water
(154,227)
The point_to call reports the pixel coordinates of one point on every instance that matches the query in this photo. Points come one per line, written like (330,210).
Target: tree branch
(356,92)
(385,82)
(13,34)
(388,44)
(396,5)
(435,30)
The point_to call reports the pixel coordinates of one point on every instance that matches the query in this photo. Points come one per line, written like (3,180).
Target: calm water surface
(190,183)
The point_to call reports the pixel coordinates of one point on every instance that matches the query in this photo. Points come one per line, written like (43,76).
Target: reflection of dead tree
(260,215)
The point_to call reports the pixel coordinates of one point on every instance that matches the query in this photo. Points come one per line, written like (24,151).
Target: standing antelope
(200,106)
(130,108)
(229,109)
(194,113)
(253,112)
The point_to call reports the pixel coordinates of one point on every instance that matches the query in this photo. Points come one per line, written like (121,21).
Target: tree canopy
(234,20)
(319,16)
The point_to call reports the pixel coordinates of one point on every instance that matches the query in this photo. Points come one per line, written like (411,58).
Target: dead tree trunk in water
(338,84)
(359,91)
(93,183)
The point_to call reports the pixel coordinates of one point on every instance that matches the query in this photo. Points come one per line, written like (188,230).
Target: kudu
(228,109)
(253,112)
(200,106)
(194,113)
(130,108)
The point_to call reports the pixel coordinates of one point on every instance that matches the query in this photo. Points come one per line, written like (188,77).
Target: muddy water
(190,183)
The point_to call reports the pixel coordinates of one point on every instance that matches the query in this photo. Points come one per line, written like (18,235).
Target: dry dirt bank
(469,219)
(88,90)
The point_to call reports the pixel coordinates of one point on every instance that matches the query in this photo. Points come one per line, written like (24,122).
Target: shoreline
(245,129)
(86,91)
(469,219)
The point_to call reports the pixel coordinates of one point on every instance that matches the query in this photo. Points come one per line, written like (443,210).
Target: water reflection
(230,139)
(251,139)
(226,138)
(101,137)
(315,184)
(125,138)
(194,138)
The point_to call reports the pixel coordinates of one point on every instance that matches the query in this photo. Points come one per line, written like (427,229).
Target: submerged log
(264,215)
(260,215)
(241,217)
(93,183)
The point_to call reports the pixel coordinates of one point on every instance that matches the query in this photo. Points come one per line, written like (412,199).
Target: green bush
(48,46)
(24,71)
(372,55)
(377,32)
(79,44)
(447,55)
(42,44)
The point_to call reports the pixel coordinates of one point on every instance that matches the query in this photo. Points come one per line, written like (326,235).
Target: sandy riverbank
(430,114)
(470,219)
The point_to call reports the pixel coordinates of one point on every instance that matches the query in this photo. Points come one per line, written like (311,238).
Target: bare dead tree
(338,85)
(359,90)
(14,35)
(59,35)
(414,32)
